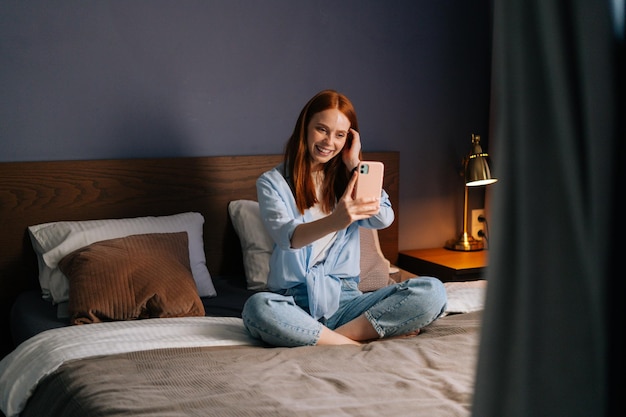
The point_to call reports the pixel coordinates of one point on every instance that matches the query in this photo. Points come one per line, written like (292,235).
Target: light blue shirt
(291,267)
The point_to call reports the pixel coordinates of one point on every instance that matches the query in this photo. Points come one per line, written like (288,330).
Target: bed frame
(39,192)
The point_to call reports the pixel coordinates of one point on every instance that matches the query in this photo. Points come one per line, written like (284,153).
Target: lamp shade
(477,170)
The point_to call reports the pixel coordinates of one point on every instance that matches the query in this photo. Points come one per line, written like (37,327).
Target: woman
(307,206)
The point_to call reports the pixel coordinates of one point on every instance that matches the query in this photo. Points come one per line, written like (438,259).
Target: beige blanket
(430,375)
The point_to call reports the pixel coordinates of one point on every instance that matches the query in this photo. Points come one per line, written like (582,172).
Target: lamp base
(465,243)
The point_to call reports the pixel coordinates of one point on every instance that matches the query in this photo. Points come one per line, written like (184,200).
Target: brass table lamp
(477,173)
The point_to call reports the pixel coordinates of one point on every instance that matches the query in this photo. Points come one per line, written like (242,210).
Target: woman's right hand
(349,209)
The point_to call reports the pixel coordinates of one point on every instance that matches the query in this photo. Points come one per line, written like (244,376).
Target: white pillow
(53,241)
(257,247)
(465,296)
(256,243)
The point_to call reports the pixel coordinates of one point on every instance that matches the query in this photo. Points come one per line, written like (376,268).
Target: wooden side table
(445,264)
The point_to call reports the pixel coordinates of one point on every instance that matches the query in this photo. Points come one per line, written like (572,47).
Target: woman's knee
(431,291)
(278,321)
(259,305)
(258,316)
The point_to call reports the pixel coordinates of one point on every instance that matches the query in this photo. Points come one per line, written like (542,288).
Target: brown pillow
(374,266)
(134,277)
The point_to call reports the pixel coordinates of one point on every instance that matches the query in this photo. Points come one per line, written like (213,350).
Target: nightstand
(445,264)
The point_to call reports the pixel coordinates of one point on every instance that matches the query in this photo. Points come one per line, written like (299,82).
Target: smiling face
(327,133)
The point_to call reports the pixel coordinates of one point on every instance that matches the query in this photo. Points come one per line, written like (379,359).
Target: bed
(175,346)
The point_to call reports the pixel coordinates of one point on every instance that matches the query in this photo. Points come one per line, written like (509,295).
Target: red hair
(298,160)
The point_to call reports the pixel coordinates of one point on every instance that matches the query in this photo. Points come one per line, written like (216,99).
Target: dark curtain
(552,341)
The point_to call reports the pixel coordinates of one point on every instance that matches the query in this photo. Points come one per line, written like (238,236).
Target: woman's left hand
(350,154)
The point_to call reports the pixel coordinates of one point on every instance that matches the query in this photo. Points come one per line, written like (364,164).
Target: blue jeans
(283,319)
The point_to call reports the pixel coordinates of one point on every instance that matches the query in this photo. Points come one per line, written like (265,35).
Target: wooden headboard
(39,192)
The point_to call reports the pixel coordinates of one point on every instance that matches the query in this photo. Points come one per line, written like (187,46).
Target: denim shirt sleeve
(278,208)
(280,215)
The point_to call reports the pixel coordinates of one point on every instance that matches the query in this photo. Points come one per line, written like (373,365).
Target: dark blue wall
(118,79)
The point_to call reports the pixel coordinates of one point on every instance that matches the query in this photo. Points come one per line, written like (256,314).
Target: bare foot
(403,336)
(400,336)
(406,336)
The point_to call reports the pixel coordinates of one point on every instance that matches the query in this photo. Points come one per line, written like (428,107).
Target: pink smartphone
(370,180)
